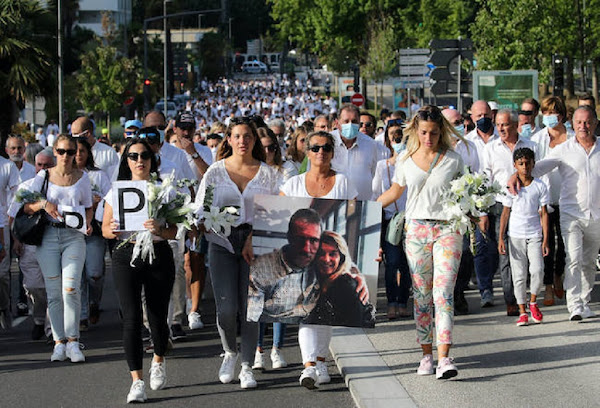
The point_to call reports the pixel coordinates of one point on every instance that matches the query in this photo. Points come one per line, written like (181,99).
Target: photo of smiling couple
(308,272)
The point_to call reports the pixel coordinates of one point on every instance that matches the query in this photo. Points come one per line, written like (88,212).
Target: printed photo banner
(130,206)
(311,256)
(74,217)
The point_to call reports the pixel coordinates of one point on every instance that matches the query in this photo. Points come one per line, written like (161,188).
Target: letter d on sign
(132,209)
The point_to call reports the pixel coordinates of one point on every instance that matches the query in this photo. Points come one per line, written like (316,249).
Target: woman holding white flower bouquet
(156,276)
(433,245)
(92,279)
(230,184)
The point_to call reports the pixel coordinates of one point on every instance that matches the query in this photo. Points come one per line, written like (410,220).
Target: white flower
(212,220)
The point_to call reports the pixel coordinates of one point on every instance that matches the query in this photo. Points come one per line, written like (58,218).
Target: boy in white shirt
(527,219)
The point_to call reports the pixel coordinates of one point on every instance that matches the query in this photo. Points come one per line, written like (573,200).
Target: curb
(369,379)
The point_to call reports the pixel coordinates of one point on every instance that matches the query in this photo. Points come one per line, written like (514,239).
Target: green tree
(381,57)
(25,63)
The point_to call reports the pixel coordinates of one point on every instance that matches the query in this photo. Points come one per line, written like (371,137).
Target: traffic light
(147,84)
(559,82)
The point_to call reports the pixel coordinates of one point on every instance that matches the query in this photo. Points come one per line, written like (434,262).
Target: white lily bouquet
(218,220)
(468,198)
(167,206)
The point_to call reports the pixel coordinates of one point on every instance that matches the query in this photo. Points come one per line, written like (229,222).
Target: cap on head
(493,105)
(134,123)
(185,120)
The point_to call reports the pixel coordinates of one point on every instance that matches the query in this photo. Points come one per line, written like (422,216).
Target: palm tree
(25,57)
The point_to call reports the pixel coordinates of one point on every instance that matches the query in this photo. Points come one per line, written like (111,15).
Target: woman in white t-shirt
(433,247)
(320,181)
(239,174)
(61,255)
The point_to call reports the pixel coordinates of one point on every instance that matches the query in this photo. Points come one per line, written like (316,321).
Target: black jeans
(157,279)
(554,263)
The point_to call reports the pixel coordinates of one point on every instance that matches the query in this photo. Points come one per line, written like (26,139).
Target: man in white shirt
(15,148)
(578,162)
(355,153)
(498,165)
(9,181)
(199,157)
(105,157)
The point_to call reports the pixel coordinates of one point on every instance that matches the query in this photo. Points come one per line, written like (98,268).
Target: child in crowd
(527,220)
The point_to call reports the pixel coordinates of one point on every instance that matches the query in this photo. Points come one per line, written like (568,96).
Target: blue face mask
(550,121)
(568,125)
(460,129)
(485,124)
(350,130)
(525,131)
(398,147)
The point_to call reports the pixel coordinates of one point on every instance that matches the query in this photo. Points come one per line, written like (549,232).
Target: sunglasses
(70,152)
(134,156)
(429,115)
(82,134)
(272,148)
(366,124)
(130,133)
(395,122)
(457,122)
(151,138)
(327,148)
(526,112)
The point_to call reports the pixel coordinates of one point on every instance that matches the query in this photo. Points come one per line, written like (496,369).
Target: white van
(254,67)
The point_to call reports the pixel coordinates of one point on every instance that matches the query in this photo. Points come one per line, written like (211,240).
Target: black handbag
(29,228)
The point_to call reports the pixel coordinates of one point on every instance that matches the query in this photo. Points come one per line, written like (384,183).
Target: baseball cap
(493,105)
(185,120)
(134,123)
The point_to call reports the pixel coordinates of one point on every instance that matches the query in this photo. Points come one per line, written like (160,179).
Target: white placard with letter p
(130,207)
(74,217)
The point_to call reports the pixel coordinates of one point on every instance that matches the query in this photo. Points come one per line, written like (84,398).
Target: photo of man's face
(303,240)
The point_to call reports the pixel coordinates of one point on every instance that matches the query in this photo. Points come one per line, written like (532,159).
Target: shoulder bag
(29,228)
(395,229)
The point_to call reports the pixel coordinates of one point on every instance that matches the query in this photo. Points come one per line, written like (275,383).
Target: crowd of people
(240,139)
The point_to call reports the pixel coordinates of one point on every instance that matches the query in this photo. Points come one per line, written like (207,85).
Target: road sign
(413,70)
(358,100)
(414,59)
(417,79)
(414,51)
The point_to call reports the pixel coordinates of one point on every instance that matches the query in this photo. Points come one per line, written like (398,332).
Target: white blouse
(342,189)
(427,205)
(227,193)
(382,182)
(77,194)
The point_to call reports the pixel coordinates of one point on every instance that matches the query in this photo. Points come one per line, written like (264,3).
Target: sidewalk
(554,364)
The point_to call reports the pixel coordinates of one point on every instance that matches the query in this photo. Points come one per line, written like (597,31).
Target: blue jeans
(278,334)
(395,261)
(487,259)
(92,279)
(61,258)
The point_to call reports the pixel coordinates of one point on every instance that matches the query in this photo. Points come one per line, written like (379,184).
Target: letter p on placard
(130,206)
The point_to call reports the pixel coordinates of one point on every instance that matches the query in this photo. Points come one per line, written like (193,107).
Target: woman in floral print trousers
(433,247)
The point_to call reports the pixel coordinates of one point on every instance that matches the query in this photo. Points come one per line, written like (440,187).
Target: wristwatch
(195,155)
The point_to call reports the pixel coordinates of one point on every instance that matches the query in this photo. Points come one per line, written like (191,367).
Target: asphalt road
(29,379)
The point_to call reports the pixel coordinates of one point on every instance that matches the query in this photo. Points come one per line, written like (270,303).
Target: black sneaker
(177,332)
(22,309)
(37,332)
(461,307)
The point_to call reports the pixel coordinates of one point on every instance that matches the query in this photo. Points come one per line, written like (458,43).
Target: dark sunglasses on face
(70,152)
(327,148)
(366,124)
(272,148)
(526,112)
(129,133)
(134,156)
(395,122)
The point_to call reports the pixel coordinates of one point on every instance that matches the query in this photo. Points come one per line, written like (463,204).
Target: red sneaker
(523,320)
(536,314)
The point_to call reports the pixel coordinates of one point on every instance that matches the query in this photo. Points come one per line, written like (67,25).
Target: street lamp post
(61,118)
(165,70)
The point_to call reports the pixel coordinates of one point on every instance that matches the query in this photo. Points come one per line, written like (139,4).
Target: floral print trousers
(433,251)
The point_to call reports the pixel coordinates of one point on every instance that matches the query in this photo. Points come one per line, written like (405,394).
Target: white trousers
(314,341)
(582,242)
(524,252)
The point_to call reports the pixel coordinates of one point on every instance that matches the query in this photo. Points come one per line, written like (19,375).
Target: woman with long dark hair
(137,163)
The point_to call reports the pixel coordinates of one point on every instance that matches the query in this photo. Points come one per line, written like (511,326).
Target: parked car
(275,67)
(254,67)
(171,108)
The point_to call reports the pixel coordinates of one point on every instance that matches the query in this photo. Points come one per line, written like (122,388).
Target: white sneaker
(322,372)
(194,321)
(59,352)
(246,377)
(137,392)
(74,352)
(227,369)
(158,375)
(587,312)
(277,360)
(309,378)
(259,361)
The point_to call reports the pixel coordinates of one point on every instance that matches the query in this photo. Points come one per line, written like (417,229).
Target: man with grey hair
(105,156)
(498,164)
(278,127)
(578,163)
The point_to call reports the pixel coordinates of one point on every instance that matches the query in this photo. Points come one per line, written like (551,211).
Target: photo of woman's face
(328,259)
